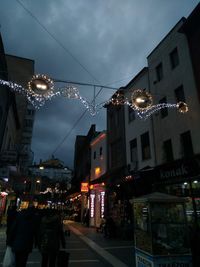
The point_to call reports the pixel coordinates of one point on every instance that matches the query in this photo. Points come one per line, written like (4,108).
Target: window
(186,144)
(100,151)
(133,151)
(94,155)
(131,114)
(168,151)
(174,58)
(30,111)
(159,72)
(145,143)
(163,111)
(179,94)
(97,171)
(26,140)
(29,123)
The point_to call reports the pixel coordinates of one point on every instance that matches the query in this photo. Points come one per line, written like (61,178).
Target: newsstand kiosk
(161,233)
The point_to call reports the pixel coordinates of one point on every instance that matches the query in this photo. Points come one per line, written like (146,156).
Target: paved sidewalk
(116,251)
(123,250)
(98,237)
(2,242)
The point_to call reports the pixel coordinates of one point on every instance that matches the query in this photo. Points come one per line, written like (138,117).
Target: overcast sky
(94,41)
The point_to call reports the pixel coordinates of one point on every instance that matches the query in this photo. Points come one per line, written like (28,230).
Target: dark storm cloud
(110,38)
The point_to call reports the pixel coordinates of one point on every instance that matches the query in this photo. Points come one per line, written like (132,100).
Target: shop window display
(169,233)
(184,190)
(161,231)
(142,231)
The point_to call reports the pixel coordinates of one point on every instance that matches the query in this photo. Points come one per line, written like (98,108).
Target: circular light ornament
(182,107)
(141,100)
(41,86)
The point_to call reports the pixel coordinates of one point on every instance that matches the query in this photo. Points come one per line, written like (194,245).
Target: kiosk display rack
(161,232)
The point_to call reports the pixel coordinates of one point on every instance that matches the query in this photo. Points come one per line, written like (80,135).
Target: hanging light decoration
(71,92)
(118,98)
(182,107)
(41,86)
(141,100)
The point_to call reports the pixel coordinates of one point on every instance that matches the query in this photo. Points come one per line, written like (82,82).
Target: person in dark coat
(51,235)
(11,217)
(194,243)
(21,236)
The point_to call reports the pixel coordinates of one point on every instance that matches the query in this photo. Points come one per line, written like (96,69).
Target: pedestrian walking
(11,217)
(51,235)
(21,236)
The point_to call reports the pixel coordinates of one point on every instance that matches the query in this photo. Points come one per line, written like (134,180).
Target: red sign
(84,187)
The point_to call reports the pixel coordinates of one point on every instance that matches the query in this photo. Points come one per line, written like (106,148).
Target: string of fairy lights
(41,88)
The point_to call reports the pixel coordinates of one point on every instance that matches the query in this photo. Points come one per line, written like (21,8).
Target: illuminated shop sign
(92,198)
(102,203)
(84,187)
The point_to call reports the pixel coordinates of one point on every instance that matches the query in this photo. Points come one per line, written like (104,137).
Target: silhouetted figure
(87,217)
(194,242)
(50,236)
(11,217)
(21,236)
(110,228)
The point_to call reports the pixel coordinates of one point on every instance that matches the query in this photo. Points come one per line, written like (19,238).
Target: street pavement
(87,248)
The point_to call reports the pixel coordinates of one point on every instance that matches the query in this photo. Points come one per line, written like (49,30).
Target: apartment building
(20,70)
(97,178)
(9,124)
(168,149)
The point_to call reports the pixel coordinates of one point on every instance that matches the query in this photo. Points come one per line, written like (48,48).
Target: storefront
(97,204)
(181,178)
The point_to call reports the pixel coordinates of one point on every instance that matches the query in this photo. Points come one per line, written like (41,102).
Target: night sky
(92,41)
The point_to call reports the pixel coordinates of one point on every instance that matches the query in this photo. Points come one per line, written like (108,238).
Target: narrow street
(86,248)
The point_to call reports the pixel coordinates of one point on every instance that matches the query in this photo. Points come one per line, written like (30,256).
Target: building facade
(168,158)
(161,153)
(9,125)
(97,179)
(82,169)
(21,70)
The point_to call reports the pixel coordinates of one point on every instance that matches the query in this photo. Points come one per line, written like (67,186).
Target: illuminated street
(85,253)
(100,133)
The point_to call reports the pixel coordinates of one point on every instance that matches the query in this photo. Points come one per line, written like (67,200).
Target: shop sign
(174,172)
(178,261)
(84,187)
(174,264)
(143,262)
(102,203)
(178,169)
(92,198)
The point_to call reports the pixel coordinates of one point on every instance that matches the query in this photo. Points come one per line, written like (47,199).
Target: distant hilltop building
(53,169)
